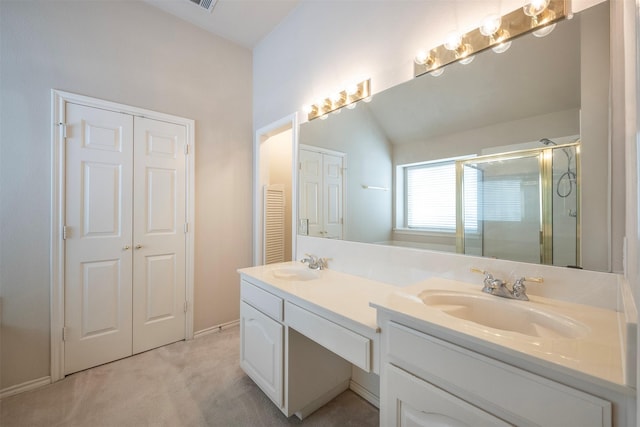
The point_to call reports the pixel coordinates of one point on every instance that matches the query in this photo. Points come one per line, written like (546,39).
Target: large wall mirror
(543,95)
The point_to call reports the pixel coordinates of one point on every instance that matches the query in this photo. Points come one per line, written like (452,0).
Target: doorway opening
(275,154)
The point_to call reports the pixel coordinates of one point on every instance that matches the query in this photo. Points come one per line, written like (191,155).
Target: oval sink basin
(295,273)
(503,314)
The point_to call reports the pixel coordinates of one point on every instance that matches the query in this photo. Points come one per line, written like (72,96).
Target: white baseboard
(26,386)
(364,393)
(214,329)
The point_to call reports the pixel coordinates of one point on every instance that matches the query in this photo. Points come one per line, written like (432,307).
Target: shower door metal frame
(545,167)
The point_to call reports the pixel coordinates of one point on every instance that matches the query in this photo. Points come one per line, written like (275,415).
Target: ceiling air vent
(205,4)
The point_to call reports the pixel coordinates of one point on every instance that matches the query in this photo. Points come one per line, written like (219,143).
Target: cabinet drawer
(264,301)
(413,402)
(519,396)
(345,343)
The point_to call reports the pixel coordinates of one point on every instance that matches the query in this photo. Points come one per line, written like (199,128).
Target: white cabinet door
(412,402)
(159,281)
(98,264)
(261,351)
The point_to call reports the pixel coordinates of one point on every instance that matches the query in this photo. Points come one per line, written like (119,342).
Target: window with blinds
(430,197)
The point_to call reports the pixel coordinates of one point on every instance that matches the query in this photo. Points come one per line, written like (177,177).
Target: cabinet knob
(126,248)
(138,246)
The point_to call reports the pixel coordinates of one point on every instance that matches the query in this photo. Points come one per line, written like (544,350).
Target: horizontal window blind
(502,200)
(471,178)
(431,197)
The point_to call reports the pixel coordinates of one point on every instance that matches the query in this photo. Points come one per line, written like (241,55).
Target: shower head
(547,141)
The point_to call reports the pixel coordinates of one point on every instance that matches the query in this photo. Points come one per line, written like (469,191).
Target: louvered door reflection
(274,223)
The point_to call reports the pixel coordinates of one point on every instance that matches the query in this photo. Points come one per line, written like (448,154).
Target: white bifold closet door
(125,276)
(321,193)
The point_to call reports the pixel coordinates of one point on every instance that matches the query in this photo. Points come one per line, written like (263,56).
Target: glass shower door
(500,207)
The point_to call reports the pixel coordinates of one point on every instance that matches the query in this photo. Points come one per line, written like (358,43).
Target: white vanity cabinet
(425,380)
(262,340)
(297,373)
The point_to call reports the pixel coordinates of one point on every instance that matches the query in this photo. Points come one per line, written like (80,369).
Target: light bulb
(544,31)
(368,98)
(467,60)
(490,24)
(500,41)
(307,109)
(463,54)
(324,117)
(502,47)
(352,89)
(352,105)
(535,7)
(436,73)
(421,57)
(453,41)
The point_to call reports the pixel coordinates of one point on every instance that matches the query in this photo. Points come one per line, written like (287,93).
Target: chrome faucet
(314,262)
(499,287)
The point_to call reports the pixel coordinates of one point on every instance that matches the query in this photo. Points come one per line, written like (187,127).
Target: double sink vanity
(445,352)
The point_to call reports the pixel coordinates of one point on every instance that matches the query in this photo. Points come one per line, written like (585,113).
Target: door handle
(138,246)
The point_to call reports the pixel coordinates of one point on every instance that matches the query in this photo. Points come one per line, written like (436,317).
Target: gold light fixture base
(342,99)
(515,23)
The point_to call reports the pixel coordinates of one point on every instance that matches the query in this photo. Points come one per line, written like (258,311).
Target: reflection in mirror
(521,206)
(320,197)
(541,89)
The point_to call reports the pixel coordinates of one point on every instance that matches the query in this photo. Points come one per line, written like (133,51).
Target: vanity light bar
(344,98)
(513,24)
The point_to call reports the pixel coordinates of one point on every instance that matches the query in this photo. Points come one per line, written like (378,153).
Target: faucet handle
(487,276)
(310,258)
(519,288)
(488,279)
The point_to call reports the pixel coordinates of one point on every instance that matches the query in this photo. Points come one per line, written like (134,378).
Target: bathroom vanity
(444,351)
(302,330)
(450,352)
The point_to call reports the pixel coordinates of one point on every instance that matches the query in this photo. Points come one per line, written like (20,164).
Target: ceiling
(244,22)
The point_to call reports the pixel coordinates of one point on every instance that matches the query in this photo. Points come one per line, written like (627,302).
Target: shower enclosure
(521,206)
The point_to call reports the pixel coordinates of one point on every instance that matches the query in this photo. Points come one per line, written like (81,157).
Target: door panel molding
(59,100)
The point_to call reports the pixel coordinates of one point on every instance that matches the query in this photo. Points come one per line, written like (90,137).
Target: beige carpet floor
(194,383)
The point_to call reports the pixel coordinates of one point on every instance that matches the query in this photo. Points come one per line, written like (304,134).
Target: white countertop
(343,294)
(598,353)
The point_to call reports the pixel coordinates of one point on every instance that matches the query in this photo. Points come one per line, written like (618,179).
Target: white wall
(131,53)
(556,124)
